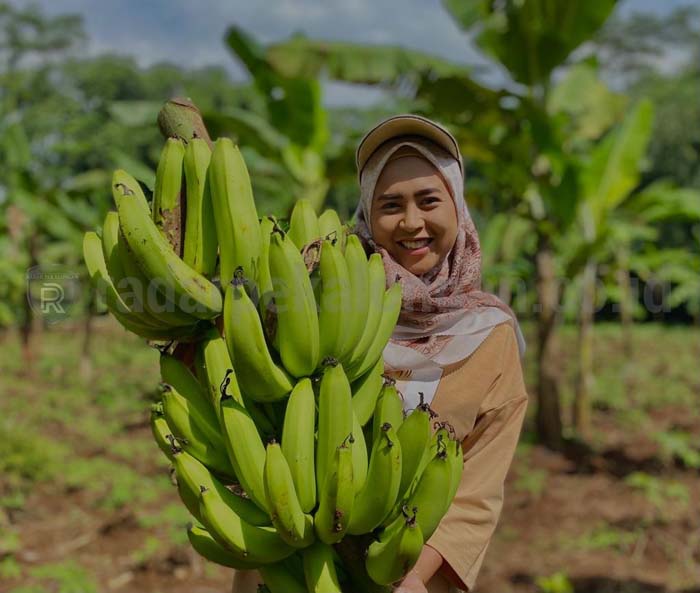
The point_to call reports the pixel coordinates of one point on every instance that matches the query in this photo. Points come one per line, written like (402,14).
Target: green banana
(190,436)
(335,417)
(191,474)
(175,373)
(358,270)
(330,227)
(115,272)
(279,579)
(162,434)
(365,391)
(334,319)
(455,458)
(215,369)
(190,291)
(376,286)
(245,449)
(432,491)
(97,270)
(319,569)
(378,496)
(144,292)
(166,194)
(414,434)
(359,454)
(389,408)
(207,547)
(389,560)
(336,497)
(303,223)
(297,322)
(134,187)
(390,315)
(236,217)
(298,442)
(293,525)
(129,319)
(258,375)
(252,543)
(200,242)
(264,282)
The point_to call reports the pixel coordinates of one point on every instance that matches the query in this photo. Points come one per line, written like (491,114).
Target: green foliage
(25,459)
(532,37)
(148,550)
(555,583)
(680,445)
(113,485)
(173,517)
(532,481)
(65,577)
(659,492)
(9,541)
(10,568)
(603,537)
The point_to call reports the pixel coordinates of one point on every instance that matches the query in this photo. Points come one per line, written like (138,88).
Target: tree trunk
(85,357)
(582,400)
(505,290)
(30,330)
(627,322)
(548,414)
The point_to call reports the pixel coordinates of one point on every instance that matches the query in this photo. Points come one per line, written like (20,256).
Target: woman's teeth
(414,244)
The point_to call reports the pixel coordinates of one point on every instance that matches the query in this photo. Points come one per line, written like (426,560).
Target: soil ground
(620,515)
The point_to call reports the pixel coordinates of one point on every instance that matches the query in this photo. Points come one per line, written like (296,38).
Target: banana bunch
(148,287)
(288,442)
(278,485)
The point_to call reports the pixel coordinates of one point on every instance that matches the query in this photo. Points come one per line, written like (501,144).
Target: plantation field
(87,506)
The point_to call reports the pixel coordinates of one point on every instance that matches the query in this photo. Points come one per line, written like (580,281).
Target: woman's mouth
(417,246)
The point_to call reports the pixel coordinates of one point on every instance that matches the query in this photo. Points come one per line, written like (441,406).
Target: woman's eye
(388,205)
(431,199)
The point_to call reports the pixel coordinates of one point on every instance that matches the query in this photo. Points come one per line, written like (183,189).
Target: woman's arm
(465,531)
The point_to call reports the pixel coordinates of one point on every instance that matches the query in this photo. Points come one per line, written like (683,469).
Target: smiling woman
(455,347)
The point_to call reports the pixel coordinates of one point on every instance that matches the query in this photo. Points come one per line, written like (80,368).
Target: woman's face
(413,215)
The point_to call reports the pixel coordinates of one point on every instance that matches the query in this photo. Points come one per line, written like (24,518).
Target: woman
(456,345)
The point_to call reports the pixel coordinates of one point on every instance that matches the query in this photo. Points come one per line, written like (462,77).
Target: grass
(73,433)
(662,373)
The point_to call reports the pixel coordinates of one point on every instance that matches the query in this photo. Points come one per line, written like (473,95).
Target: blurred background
(579,122)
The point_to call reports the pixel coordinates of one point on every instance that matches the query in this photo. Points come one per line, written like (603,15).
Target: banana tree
(508,132)
(287,129)
(610,172)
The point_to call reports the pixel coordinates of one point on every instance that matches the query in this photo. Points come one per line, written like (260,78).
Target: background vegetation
(583,177)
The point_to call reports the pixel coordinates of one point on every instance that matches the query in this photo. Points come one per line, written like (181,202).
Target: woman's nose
(412,219)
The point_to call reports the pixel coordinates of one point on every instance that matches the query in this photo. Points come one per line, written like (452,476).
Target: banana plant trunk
(88,330)
(30,330)
(626,320)
(548,414)
(627,323)
(582,400)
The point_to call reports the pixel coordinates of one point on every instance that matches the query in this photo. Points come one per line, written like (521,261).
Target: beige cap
(405,125)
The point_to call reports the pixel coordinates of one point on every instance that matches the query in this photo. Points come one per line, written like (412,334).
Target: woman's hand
(411,583)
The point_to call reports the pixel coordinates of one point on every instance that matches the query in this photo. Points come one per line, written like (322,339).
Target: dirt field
(87,504)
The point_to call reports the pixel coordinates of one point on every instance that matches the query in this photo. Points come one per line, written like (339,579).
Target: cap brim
(404,125)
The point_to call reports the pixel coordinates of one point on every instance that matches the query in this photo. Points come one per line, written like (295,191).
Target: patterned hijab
(445,315)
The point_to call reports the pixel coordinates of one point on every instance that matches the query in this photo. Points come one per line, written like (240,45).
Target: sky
(191,33)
